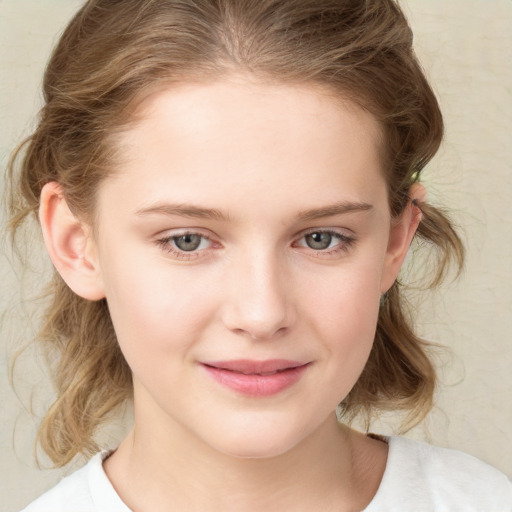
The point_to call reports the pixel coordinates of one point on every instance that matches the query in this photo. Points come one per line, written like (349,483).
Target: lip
(256,378)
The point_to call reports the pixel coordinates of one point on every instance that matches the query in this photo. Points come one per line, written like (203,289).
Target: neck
(154,470)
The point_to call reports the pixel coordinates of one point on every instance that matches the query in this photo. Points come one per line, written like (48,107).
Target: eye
(327,241)
(188,242)
(185,245)
(319,240)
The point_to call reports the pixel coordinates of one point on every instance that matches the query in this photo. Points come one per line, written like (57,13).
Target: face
(243,246)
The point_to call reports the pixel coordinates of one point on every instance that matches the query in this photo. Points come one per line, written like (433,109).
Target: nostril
(261,333)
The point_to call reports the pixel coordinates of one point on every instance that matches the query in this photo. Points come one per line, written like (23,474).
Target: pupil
(188,242)
(319,240)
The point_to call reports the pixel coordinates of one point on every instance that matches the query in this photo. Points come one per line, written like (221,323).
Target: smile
(256,378)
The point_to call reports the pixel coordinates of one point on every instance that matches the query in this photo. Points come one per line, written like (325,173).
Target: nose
(259,305)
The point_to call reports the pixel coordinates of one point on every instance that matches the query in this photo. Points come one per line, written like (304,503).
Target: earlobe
(69,244)
(401,235)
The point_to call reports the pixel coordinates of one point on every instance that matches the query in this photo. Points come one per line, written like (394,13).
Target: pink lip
(256,378)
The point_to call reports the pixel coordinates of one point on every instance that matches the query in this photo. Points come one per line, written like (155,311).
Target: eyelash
(344,244)
(166,244)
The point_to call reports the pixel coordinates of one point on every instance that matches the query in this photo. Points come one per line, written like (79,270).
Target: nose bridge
(259,304)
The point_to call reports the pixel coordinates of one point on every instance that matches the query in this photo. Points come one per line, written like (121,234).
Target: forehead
(250,101)
(239,136)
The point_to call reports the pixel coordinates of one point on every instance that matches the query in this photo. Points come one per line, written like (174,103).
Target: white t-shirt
(418,478)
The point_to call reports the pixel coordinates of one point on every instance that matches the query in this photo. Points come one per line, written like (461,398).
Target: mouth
(256,378)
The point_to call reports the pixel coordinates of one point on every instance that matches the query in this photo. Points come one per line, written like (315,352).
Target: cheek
(349,291)
(155,306)
(344,311)
(351,334)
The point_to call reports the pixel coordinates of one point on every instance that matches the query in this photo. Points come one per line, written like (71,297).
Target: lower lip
(256,385)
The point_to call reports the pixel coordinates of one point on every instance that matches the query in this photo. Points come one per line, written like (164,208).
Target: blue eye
(187,242)
(327,241)
(319,240)
(185,245)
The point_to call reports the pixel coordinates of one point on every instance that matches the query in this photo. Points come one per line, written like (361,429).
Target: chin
(257,443)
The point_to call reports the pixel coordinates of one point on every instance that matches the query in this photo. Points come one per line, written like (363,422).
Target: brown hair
(114,50)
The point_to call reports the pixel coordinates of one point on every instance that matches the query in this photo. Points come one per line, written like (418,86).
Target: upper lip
(249,367)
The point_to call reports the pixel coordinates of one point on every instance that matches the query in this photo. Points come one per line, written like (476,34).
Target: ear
(401,234)
(69,243)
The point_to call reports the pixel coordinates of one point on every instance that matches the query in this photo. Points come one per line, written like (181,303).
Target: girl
(227,190)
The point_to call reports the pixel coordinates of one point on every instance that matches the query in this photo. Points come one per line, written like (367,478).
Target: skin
(253,168)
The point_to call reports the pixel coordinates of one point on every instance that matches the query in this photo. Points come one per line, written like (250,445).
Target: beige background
(466,49)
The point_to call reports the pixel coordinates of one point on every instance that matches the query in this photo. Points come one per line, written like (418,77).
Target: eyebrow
(196,212)
(334,209)
(182,210)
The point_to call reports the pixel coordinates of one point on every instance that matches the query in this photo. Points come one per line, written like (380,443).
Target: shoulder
(427,477)
(86,490)
(72,492)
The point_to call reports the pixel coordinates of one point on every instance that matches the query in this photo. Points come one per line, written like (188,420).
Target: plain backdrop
(466,49)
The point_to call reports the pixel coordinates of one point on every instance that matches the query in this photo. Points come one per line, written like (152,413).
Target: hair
(113,52)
